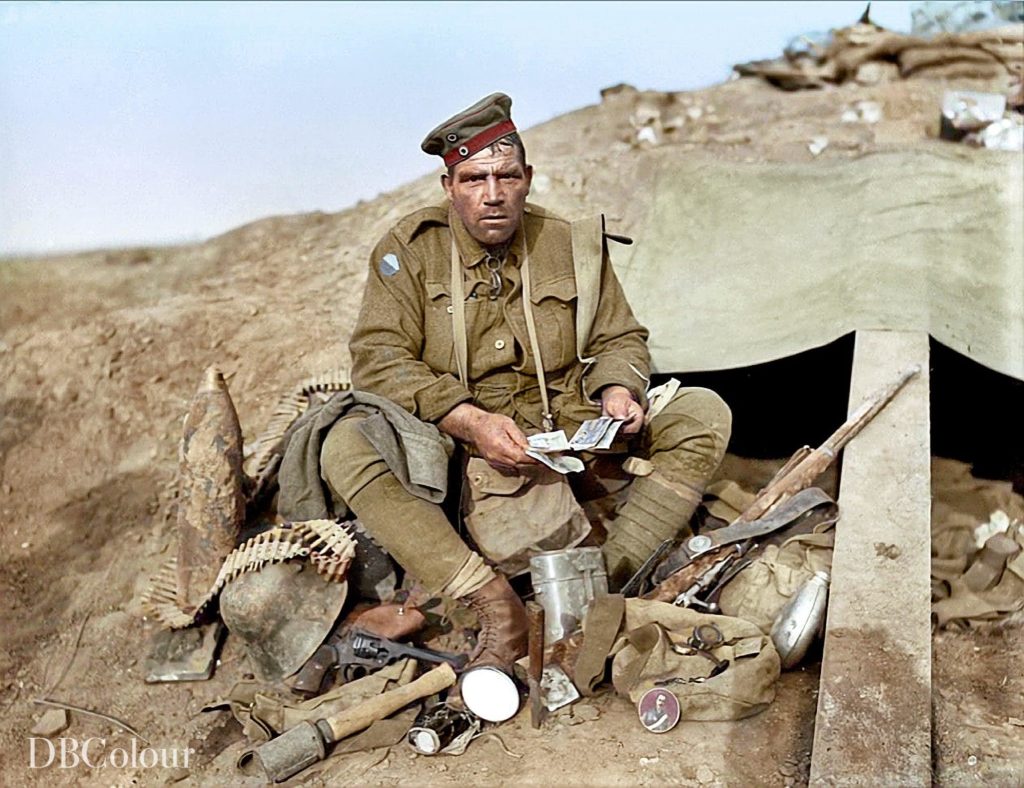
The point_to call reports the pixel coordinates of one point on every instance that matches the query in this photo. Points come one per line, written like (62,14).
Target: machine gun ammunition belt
(327,544)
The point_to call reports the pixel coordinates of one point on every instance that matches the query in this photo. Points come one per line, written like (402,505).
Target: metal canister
(439,728)
(800,620)
(565,582)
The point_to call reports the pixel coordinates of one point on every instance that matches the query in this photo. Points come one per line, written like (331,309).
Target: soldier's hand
(496,438)
(499,440)
(618,402)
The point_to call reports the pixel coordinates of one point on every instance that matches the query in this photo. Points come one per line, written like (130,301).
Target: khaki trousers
(685,443)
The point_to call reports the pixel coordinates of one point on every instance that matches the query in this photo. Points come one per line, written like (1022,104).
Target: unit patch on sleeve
(389,265)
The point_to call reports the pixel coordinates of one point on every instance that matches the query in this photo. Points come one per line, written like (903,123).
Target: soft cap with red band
(472,130)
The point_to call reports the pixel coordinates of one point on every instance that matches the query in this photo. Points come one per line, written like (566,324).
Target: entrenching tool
(306,743)
(184,654)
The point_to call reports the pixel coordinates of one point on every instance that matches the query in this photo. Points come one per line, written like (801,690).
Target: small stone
(648,761)
(51,723)
(705,776)
(442,767)
(788,769)
(25,545)
(817,145)
(587,712)
(972,760)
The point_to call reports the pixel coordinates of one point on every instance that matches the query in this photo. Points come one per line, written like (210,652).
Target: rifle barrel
(867,410)
(812,464)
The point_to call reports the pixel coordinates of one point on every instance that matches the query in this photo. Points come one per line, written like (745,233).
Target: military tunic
(403,346)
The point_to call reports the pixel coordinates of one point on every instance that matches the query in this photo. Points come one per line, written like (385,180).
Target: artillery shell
(211,496)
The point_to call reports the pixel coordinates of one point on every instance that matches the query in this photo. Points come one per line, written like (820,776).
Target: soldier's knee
(711,409)
(348,462)
(702,406)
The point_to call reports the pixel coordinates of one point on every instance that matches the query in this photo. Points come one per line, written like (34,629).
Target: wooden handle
(535,649)
(535,639)
(355,719)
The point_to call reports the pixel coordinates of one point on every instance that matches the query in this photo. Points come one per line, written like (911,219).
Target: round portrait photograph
(658,710)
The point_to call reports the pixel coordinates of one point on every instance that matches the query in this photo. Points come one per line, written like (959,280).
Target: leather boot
(503,627)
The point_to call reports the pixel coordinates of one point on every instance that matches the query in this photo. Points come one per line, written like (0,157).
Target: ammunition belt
(327,544)
(292,405)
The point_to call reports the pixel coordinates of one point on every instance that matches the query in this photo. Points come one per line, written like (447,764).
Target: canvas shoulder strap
(459,317)
(587,256)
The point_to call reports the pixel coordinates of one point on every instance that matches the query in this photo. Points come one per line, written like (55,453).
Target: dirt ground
(100,352)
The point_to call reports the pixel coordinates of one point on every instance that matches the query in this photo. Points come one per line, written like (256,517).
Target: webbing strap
(600,628)
(531,329)
(459,317)
(587,256)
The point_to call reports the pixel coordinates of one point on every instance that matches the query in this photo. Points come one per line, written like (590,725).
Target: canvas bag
(513,516)
(645,653)
(760,591)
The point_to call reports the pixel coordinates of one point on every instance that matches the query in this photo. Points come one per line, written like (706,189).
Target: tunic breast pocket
(438,337)
(554,311)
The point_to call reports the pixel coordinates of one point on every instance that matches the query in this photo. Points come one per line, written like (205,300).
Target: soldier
(469,323)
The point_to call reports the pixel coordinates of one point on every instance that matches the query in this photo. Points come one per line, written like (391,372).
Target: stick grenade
(306,743)
(535,649)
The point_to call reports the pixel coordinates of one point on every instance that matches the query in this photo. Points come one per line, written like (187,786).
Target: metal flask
(565,582)
(800,620)
(211,497)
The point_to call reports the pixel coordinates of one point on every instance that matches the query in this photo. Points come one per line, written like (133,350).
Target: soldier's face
(488,191)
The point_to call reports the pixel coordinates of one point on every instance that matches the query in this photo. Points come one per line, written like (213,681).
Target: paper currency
(557,462)
(590,433)
(609,435)
(549,441)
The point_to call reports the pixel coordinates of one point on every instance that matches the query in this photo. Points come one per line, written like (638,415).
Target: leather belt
(782,515)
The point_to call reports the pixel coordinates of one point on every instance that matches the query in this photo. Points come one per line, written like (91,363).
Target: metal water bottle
(800,620)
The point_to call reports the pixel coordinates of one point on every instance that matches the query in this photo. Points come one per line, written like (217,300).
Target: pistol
(357,652)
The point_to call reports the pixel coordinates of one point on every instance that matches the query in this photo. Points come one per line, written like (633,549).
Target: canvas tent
(737,264)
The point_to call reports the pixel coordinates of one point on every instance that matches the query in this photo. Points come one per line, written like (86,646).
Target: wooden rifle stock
(806,464)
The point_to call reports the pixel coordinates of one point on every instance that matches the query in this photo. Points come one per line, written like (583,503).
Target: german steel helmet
(282,613)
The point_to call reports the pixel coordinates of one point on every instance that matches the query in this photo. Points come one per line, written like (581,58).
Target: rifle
(355,653)
(783,500)
(806,465)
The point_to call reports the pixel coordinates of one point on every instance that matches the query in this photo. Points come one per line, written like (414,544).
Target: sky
(152,123)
